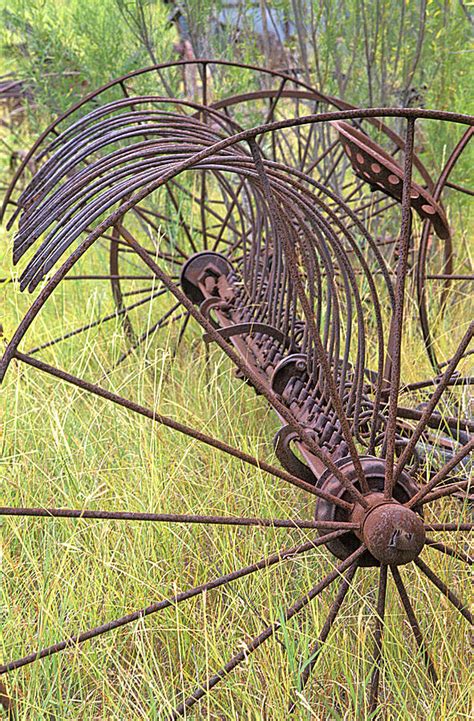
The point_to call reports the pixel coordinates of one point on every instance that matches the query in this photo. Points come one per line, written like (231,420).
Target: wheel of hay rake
(299,313)
(197,220)
(433,251)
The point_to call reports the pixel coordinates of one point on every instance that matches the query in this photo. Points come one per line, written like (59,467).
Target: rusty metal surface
(315,151)
(285,273)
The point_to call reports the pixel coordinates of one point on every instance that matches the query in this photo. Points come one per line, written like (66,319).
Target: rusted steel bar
(441,475)
(267,633)
(314,653)
(175,425)
(74,641)
(443,588)
(378,638)
(417,634)
(174,518)
(448,551)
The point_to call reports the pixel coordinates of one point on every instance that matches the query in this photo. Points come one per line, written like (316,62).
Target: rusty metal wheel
(305,320)
(127,105)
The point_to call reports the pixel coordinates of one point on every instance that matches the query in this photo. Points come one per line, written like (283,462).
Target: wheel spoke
(274,101)
(463,527)
(445,491)
(448,551)
(176,518)
(443,588)
(378,637)
(441,475)
(331,617)
(413,623)
(166,603)
(267,633)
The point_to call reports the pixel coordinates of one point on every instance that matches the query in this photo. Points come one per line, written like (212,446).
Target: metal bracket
(281,443)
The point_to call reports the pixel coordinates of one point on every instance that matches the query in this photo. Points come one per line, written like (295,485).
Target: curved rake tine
(331,617)
(432,403)
(74,641)
(441,475)
(443,588)
(324,457)
(378,639)
(448,551)
(414,623)
(176,518)
(180,427)
(267,633)
(394,347)
(322,356)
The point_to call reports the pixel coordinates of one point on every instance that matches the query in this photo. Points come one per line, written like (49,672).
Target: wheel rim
(296,257)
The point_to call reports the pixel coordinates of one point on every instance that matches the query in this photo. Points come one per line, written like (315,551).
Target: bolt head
(393,533)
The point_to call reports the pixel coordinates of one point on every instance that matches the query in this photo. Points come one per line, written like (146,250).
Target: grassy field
(63,448)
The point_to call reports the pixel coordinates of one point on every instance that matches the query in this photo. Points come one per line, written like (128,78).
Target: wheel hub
(393,533)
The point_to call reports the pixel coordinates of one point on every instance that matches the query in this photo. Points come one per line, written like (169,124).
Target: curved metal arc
(120,81)
(345,114)
(144,188)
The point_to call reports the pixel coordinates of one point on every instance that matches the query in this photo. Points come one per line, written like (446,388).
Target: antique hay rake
(293,244)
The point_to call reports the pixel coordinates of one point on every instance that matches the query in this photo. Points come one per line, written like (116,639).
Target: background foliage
(372,52)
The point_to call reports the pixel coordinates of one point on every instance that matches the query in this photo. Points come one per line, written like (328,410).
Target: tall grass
(62,447)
